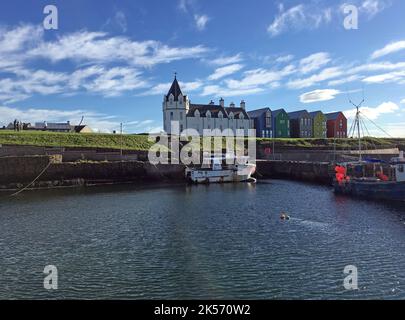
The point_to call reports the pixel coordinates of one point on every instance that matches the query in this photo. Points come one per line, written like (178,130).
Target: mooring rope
(33,181)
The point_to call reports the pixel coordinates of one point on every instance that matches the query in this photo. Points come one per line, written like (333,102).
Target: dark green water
(218,241)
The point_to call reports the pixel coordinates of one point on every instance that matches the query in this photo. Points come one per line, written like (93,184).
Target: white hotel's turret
(175,107)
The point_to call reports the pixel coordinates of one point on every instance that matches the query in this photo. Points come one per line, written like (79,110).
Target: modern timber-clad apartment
(319,129)
(300,124)
(262,120)
(281,124)
(337,125)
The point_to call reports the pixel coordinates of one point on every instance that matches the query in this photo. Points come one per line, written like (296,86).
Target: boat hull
(222,176)
(389,190)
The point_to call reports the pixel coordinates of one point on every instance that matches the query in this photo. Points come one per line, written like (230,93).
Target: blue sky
(112,61)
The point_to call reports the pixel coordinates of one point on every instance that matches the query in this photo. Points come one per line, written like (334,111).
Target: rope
(33,181)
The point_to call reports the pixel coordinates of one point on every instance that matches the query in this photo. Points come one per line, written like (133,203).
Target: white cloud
(314,62)
(388,49)
(22,45)
(225,71)
(108,82)
(344,80)
(374,113)
(299,17)
(259,77)
(373,7)
(221,61)
(201,21)
(319,95)
(325,74)
(99,47)
(403,101)
(283,59)
(397,76)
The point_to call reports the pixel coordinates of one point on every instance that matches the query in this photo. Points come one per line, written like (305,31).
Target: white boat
(240,171)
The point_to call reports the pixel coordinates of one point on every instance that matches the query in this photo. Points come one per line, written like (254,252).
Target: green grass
(367,143)
(141,143)
(86,140)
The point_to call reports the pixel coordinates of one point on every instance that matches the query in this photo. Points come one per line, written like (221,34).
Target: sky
(112,61)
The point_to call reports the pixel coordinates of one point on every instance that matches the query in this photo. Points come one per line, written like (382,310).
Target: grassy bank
(86,140)
(140,142)
(367,143)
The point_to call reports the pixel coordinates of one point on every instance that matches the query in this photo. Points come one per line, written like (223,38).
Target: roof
(313,114)
(298,114)
(203,108)
(237,112)
(275,113)
(257,113)
(174,90)
(333,115)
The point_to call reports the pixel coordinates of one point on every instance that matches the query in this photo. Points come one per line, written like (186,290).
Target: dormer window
(231,116)
(208,114)
(197,113)
(220,115)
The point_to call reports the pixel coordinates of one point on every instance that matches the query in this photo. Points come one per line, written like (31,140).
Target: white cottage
(177,107)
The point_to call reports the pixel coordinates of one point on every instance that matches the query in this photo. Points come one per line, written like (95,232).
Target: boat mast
(357,123)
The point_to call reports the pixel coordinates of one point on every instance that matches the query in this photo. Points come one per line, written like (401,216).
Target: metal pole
(121,140)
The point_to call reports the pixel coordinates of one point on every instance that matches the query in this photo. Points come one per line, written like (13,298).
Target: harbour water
(191,242)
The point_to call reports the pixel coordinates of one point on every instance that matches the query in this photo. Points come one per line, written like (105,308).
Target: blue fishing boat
(379,187)
(371,178)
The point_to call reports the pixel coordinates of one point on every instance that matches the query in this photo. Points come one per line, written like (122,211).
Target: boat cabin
(399,165)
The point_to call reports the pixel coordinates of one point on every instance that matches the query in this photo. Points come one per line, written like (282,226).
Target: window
(268,119)
(181,116)
(401,168)
(171,115)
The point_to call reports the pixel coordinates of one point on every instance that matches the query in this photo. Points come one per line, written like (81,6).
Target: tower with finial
(175,107)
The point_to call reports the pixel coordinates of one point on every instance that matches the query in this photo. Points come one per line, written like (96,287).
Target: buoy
(284,216)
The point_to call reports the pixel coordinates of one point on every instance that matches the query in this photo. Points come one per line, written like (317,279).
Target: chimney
(243,104)
(222,102)
(232,105)
(212,102)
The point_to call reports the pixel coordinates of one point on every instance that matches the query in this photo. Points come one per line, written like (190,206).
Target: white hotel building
(177,107)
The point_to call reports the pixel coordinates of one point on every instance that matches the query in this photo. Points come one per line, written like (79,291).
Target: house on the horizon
(336,125)
(54,127)
(319,129)
(280,124)
(177,108)
(300,124)
(262,120)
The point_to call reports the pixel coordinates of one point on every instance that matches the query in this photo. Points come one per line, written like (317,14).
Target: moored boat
(216,172)
(379,186)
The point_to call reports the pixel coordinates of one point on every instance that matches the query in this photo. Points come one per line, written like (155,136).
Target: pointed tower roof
(174,90)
